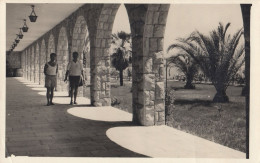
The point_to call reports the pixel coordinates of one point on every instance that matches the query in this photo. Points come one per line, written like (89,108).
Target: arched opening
(193,110)
(81,44)
(147,73)
(42,61)
(121,57)
(63,59)
(37,68)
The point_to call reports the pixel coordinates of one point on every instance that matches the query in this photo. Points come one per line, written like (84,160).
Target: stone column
(30,63)
(23,63)
(159,100)
(27,64)
(100,57)
(36,65)
(148,62)
(62,58)
(42,61)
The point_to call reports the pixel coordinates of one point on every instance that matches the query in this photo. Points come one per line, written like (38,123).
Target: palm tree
(218,56)
(121,56)
(187,65)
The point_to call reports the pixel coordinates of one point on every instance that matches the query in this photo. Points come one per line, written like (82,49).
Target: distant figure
(50,71)
(74,70)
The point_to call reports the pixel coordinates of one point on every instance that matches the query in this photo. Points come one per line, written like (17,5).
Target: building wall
(14,59)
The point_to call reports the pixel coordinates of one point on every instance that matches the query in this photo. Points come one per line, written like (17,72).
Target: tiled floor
(33,129)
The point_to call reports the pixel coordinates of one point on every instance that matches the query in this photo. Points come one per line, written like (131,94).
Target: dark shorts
(74,81)
(50,81)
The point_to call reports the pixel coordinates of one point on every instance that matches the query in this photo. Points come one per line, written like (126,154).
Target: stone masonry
(63,59)
(36,64)
(42,61)
(88,31)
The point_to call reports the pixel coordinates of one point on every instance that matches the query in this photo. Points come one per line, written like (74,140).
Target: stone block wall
(42,61)
(148,83)
(14,59)
(36,64)
(62,59)
(94,22)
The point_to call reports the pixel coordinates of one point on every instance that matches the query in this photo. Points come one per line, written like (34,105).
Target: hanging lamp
(17,39)
(25,27)
(33,16)
(20,35)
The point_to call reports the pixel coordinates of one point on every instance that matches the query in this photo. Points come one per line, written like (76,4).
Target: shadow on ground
(33,129)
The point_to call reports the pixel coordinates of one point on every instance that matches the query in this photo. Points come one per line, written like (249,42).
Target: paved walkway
(34,129)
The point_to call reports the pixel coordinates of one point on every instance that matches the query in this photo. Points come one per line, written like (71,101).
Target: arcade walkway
(34,129)
(62,130)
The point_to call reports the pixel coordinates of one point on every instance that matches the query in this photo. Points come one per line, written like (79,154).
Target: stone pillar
(100,57)
(159,100)
(63,59)
(23,63)
(27,65)
(32,64)
(147,27)
(36,65)
(42,61)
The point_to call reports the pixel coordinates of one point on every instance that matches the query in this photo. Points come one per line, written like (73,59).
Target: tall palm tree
(187,65)
(218,55)
(121,56)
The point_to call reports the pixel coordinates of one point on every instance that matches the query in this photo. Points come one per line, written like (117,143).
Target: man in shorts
(50,71)
(74,70)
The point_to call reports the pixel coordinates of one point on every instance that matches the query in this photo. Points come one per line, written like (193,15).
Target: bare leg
(48,95)
(75,94)
(71,95)
(51,96)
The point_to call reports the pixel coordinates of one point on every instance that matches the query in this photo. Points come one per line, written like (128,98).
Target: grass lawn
(195,113)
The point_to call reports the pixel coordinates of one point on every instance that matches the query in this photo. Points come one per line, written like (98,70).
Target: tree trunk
(221,96)
(189,84)
(121,77)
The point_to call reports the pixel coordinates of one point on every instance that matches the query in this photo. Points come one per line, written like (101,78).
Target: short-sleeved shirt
(75,68)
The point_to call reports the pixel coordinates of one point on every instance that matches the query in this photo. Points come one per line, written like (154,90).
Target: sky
(185,18)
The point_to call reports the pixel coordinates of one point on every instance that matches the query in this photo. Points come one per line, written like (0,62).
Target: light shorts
(50,81)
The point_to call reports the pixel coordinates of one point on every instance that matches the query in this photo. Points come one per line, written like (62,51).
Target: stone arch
(100,67)
(51,47)
(42,59)
(36,69)
(147,23)
(81,44)
(62,58)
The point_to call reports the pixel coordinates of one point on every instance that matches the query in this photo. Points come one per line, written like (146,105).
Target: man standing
(74,70)
(50,71)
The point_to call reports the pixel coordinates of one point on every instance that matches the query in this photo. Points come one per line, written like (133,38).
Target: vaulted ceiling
(49,14)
